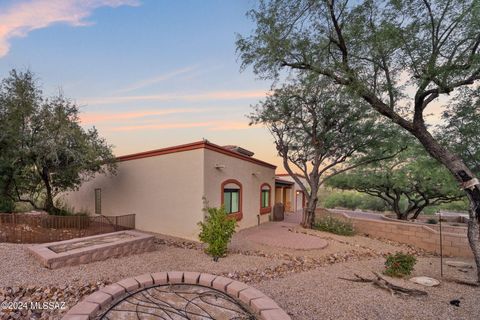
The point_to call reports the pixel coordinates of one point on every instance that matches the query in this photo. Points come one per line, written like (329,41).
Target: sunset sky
(148,73)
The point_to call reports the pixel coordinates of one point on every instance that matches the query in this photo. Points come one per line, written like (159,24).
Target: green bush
(457,206)
(347,199)
(334,225)
(6,205)
(372,203)
(354,200)
(399,264)
(432,221)
(217,231)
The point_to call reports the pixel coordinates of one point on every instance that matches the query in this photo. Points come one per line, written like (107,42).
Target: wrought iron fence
(27,228)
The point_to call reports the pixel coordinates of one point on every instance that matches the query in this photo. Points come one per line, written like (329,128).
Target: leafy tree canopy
(45,150)
(461,128)
(408,183)
(317,128)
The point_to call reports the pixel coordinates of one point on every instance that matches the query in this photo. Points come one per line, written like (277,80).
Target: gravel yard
(319,294)
(19,268)
(304,282)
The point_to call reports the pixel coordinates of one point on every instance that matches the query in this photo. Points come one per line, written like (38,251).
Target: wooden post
(441,244)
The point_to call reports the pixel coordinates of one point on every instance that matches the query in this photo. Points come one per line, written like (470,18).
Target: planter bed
(95,248)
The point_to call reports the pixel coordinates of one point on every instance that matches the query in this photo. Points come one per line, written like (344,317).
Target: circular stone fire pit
(177,295)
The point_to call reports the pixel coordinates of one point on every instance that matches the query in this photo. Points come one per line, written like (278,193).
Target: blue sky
(147,73)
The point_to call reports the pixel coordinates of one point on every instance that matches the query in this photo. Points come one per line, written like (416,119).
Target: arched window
(265,198)
(232,198)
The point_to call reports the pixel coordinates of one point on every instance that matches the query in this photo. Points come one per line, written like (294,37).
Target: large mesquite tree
(321,131)
(398,56)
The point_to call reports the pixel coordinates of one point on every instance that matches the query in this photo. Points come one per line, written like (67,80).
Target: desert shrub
(63,209)
(6,205)
(345,199)
(334,225)
(432,221)
(354,200)
(372,203)
(456,206)
(217,231)
(399,264)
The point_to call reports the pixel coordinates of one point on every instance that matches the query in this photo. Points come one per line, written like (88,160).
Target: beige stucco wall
(294,200)
(165,192)
(250,175)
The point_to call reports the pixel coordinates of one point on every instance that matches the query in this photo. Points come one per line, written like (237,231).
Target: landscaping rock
(425,281)
(69,295)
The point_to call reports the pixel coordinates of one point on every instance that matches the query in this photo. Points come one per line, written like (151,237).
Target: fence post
(441,245)
(14,220)
(116,223)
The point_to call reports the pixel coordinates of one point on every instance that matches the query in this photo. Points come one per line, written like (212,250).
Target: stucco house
(167,188)
(289,192)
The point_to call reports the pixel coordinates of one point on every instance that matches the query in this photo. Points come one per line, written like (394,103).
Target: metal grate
(177,302)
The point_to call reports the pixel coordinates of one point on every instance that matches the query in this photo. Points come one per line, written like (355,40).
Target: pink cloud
(215,95)
(209,125)
(96,117)
(229,125)
(23,17)
(161,126)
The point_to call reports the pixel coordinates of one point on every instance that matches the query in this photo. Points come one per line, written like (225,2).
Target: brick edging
(264,307)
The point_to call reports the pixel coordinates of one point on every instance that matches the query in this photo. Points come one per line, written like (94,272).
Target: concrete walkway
(277,234)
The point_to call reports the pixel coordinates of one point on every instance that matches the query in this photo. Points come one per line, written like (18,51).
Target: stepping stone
(459,264)
(425,281)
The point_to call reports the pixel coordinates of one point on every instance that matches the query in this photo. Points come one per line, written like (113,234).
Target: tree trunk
(473,240)
(400,215)
(49,206)
(463,175)
(308,219)
(418,211)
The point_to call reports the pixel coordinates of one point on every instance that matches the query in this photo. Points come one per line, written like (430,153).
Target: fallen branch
(464,282)
(383,283)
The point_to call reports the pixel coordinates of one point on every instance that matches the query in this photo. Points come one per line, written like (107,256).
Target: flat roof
(204,144)
(283,182)
(287,175)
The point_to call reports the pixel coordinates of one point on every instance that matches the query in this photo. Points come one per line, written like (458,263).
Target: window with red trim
(232,198)
(265,198)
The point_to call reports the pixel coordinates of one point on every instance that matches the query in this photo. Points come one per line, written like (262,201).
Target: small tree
(217,231)
(408,183)
(19,98)
(45,151)
(64,154)
(318,128)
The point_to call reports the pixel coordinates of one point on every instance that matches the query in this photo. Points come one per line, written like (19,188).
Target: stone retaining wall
(91,306)
(421,236)
(445,227)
